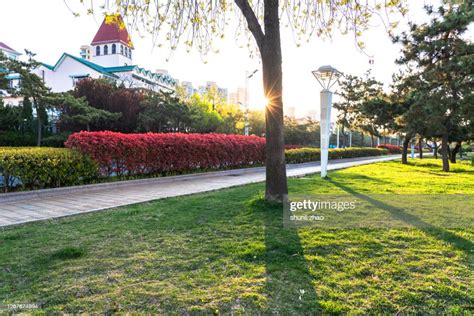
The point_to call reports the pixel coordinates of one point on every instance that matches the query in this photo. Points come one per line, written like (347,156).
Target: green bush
(301,155)
(466,148)
(55,140)
(17,139)
(41,167)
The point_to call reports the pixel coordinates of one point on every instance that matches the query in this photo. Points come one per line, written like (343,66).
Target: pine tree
(441,64)
(31,87)
(78,111)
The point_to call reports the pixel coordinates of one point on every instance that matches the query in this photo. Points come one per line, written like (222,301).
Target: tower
(112,45)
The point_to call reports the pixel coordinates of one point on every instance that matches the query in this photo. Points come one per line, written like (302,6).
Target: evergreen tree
(440,77)
(31,87)
(350,94)
(77,111)
(364,112)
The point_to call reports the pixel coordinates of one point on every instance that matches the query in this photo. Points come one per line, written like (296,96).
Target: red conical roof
(112,30)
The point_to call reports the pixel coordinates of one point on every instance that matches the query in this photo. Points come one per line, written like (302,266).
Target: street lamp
(327,77)
(248,75)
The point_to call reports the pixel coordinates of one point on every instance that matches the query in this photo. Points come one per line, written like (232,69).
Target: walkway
(23,207)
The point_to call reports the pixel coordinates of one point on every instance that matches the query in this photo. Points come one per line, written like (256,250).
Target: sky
(48,28)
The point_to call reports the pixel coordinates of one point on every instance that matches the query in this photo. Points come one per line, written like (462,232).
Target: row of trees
(431,99)
(99,104)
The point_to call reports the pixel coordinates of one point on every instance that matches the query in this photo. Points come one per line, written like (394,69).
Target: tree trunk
(434,148)
(39,127)
(420,147)
(454,152)
(361,139)
(445,152)
(372,140)
(343,138)
(269,45)
(406,142)
(276,186)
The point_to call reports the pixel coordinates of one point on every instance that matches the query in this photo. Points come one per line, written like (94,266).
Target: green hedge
(37,168)
(301,155)
(26,168)
(55,140)
(17,139)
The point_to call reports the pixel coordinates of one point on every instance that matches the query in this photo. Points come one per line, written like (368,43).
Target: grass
(228,252)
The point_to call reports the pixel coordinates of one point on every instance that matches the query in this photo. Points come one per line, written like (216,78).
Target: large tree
(77,111)
(105,95)
(31,87)
(367,105)
(164,112)
(350,93)
(440,61)
(197,22)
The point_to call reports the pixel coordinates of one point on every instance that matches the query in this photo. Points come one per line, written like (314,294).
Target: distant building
(188,88)
(224,93)
(238,97)
(13,78)
(86,52)
(290,111)
(9,52)
(313,114)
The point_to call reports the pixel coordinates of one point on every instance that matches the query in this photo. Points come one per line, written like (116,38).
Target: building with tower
(110,56)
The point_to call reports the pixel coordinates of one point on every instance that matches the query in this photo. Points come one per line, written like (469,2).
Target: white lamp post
(327,77)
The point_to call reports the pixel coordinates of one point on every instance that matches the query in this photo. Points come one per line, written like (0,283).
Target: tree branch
(252,21)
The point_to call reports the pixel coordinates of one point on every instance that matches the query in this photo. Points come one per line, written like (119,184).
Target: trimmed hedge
(105,154)
(162,153)
(301,155)
(55,140)
(40,167)
(293,146)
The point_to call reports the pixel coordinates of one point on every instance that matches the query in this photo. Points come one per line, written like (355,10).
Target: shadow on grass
(360,177)
(289,286)
(462,171)
(438,174)
(437,232)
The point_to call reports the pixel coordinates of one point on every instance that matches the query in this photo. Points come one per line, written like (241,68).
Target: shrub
(160,153)
(392,149)
(467,148)
(17,139)
(293,146)
(55,140)
(42,167)
(301,155)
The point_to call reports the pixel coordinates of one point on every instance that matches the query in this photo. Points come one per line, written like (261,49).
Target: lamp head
(327,76)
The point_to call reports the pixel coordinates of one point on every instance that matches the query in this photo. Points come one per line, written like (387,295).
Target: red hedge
(156,153)
(392,149)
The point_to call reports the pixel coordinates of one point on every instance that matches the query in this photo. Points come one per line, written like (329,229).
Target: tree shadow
(463,171)
(359,177)
(289,283)
(438,174)
(458,242)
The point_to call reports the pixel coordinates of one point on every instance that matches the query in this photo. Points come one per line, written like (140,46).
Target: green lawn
(228,252)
